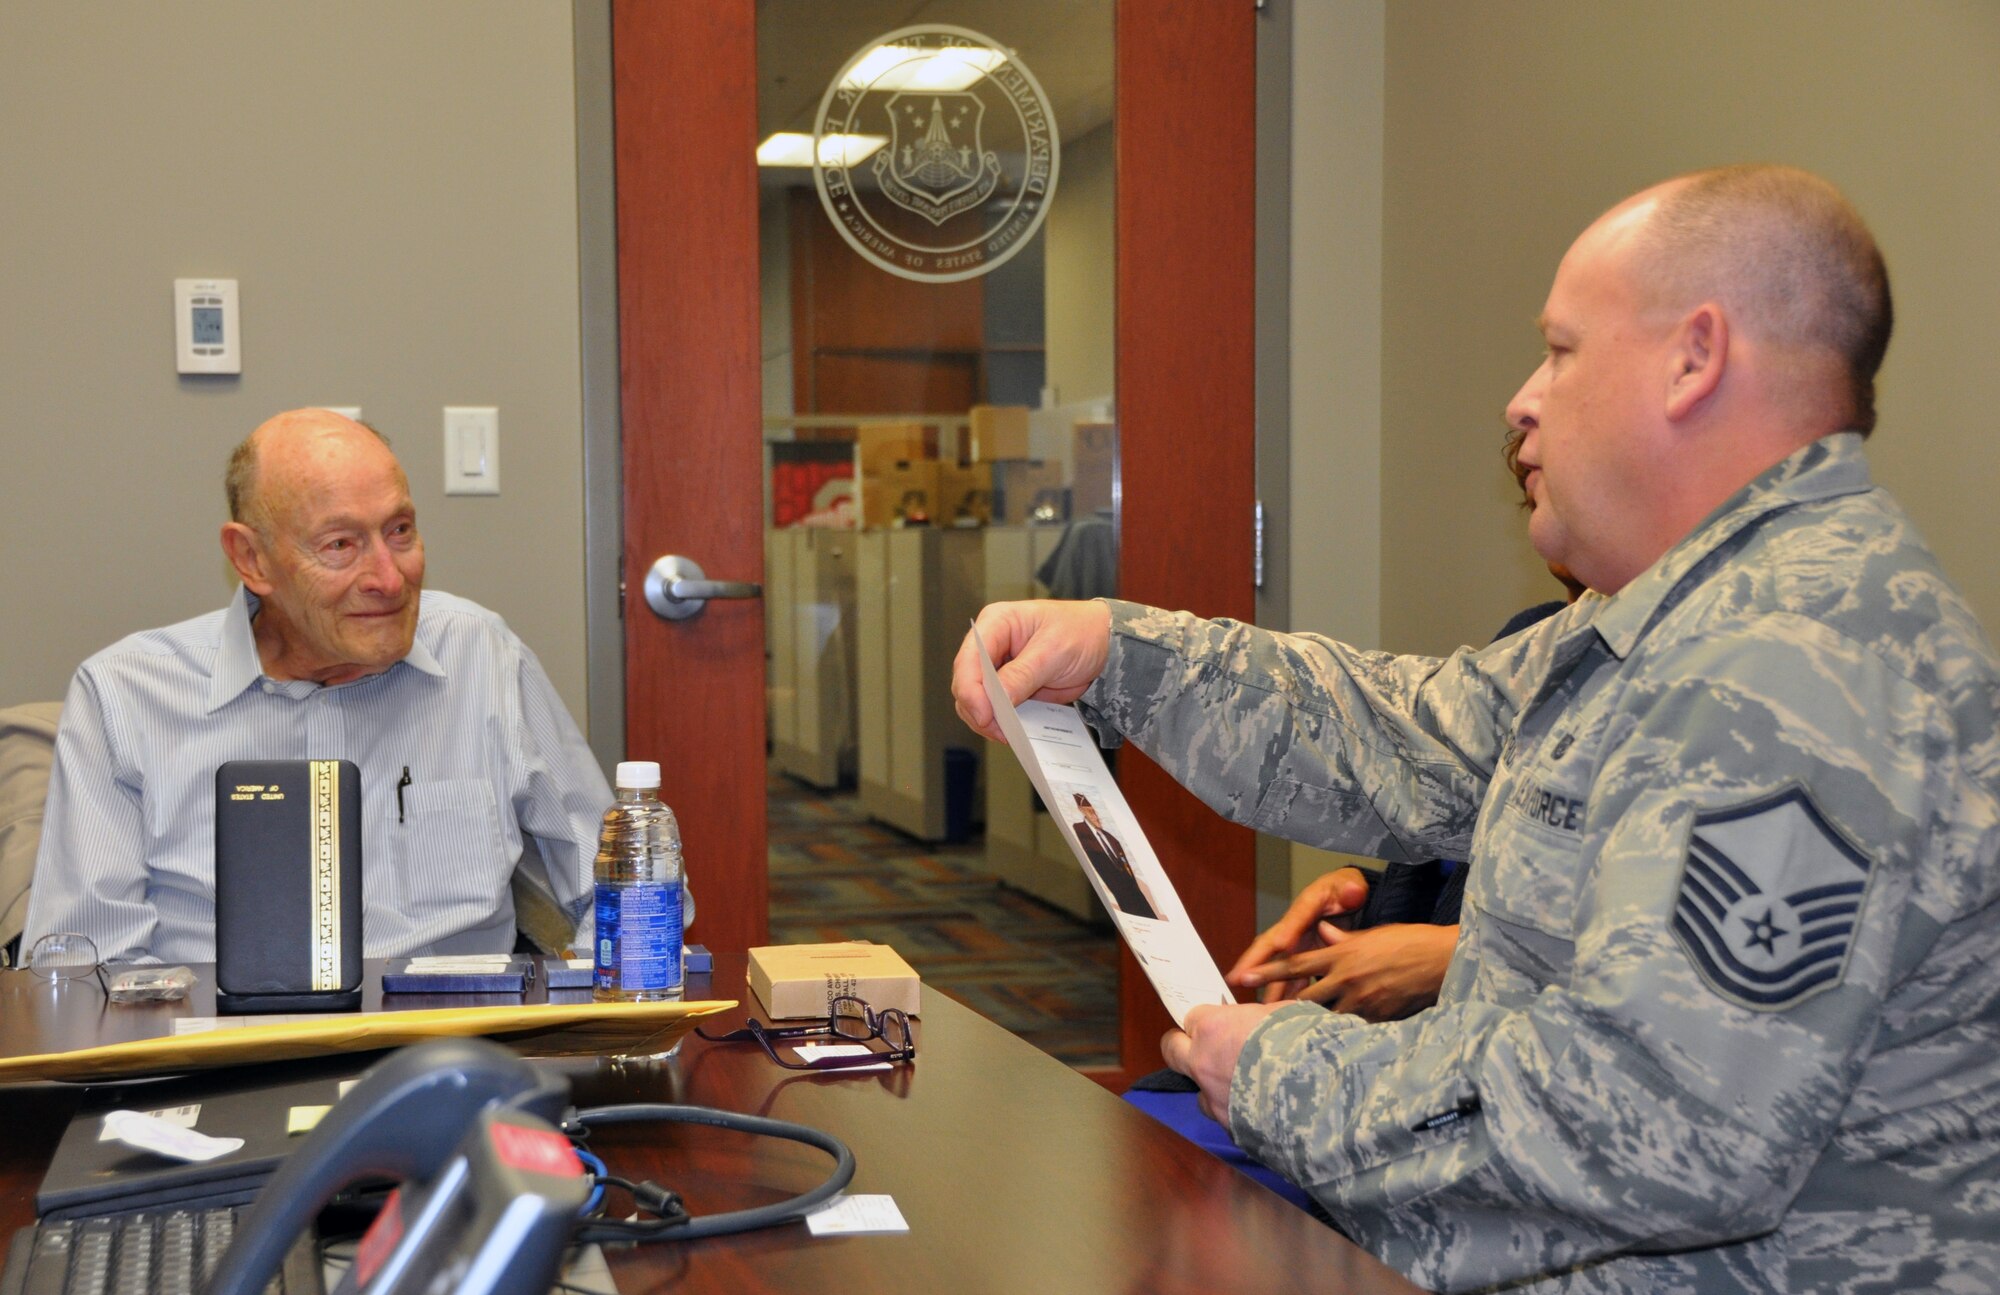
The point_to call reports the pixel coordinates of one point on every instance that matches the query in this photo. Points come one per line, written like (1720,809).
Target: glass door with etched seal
(936,237)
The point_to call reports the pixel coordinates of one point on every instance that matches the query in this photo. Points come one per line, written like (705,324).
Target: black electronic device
(92,1175)
(288,904)
(489,1188)
(157,1252)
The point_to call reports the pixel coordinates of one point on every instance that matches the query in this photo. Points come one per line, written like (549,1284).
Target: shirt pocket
(1533,849)
(451,852)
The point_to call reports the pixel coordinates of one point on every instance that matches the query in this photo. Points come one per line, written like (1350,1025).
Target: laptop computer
(93,1175)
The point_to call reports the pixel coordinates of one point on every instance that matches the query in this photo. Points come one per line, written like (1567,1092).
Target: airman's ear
(244,549)
(1697,357)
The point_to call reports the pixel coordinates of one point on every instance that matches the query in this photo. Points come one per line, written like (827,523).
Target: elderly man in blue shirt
(331,649)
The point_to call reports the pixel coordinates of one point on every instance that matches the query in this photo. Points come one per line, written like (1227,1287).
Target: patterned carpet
(1028,967)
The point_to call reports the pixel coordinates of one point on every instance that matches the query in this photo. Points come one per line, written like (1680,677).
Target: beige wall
(1509,127)
(395,187)
(1335,497)
(1081,244)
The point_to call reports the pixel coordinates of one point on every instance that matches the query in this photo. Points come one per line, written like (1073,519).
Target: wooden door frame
(684,89)
(1185,122)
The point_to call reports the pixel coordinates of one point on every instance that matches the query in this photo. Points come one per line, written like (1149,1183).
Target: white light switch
(471,450)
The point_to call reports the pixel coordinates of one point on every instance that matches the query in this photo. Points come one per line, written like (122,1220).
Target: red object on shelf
(795,486)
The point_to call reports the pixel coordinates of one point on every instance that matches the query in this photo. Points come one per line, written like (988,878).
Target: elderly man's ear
(1698,355)
(240,544)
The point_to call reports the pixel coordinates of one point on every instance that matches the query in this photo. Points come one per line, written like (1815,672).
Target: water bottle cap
(638,774)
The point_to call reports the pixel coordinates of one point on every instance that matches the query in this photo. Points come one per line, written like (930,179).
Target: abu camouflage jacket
(1725,1009)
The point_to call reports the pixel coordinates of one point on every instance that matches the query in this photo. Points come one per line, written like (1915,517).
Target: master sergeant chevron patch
(1769,897)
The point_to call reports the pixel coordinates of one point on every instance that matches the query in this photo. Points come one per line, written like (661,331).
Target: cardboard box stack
(992,480)
(893,461)
(964,494)
(996,442)
(1019,484)
(996,432)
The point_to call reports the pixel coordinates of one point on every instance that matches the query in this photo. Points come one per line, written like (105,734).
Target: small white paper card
(1060,756)
(849,1216)
(461,963)
(164,1138)
(814,1051)
(182,1116)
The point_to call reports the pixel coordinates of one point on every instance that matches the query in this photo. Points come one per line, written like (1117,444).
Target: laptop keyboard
(160,1252)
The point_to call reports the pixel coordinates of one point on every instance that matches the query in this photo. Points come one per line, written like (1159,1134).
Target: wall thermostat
(207,337)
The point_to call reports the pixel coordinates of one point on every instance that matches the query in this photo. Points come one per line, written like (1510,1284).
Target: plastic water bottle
(640,888)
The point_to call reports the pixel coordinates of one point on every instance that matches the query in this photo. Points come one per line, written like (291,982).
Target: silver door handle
(677,588)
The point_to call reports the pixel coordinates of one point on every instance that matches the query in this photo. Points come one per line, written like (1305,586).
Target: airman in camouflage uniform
(1726,1002)
(1725,1009)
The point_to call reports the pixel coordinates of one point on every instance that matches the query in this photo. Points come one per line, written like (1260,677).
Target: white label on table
(1056,749)
(461,964)
(849,1216)
(162,1137)
(810,1052)
(182,1116)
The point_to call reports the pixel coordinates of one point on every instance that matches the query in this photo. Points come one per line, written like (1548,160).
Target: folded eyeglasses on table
(848,1020)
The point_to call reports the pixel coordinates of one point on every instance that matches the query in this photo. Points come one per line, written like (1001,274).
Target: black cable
(711,1225)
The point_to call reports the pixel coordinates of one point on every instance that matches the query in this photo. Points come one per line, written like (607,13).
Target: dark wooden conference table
(1015,1173)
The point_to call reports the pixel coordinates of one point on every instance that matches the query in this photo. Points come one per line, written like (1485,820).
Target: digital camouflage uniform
(1725,1012)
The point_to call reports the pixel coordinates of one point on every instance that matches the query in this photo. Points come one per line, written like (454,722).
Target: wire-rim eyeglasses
(64,956)
(848,1020)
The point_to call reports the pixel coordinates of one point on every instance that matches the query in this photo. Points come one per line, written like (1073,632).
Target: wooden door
(685,105)
(685,99)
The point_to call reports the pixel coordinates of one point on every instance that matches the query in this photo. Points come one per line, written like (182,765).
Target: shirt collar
(238,665)
(1829,467)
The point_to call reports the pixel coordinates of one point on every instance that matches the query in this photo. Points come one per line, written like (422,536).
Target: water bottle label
(639,937)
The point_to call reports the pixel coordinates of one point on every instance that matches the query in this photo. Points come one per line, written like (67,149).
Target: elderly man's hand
(1044,651)
(1206,1052)
(1285,959)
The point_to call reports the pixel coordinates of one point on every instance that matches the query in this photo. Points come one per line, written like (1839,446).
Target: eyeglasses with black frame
(848,1020)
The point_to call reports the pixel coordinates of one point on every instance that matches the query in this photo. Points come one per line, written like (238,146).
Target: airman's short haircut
(1791,256)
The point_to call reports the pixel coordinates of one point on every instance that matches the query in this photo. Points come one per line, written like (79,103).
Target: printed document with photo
(1060,756)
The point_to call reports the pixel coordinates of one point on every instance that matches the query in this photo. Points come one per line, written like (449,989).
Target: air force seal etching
(968,166)
(935,177)
(1769,901)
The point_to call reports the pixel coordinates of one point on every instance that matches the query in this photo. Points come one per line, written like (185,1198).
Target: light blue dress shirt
(128,838)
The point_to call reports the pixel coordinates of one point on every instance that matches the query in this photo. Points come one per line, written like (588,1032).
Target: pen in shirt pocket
(401,783)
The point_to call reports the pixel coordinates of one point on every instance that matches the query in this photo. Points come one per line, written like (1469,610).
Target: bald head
(1792,260)
(311,433)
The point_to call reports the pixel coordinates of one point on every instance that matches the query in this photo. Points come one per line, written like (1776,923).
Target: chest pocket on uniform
(1534,843)
(449,847)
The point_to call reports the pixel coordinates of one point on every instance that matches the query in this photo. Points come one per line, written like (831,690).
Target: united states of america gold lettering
(326,969)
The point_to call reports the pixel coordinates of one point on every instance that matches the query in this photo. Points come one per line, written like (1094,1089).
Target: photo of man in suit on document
(1107,856)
